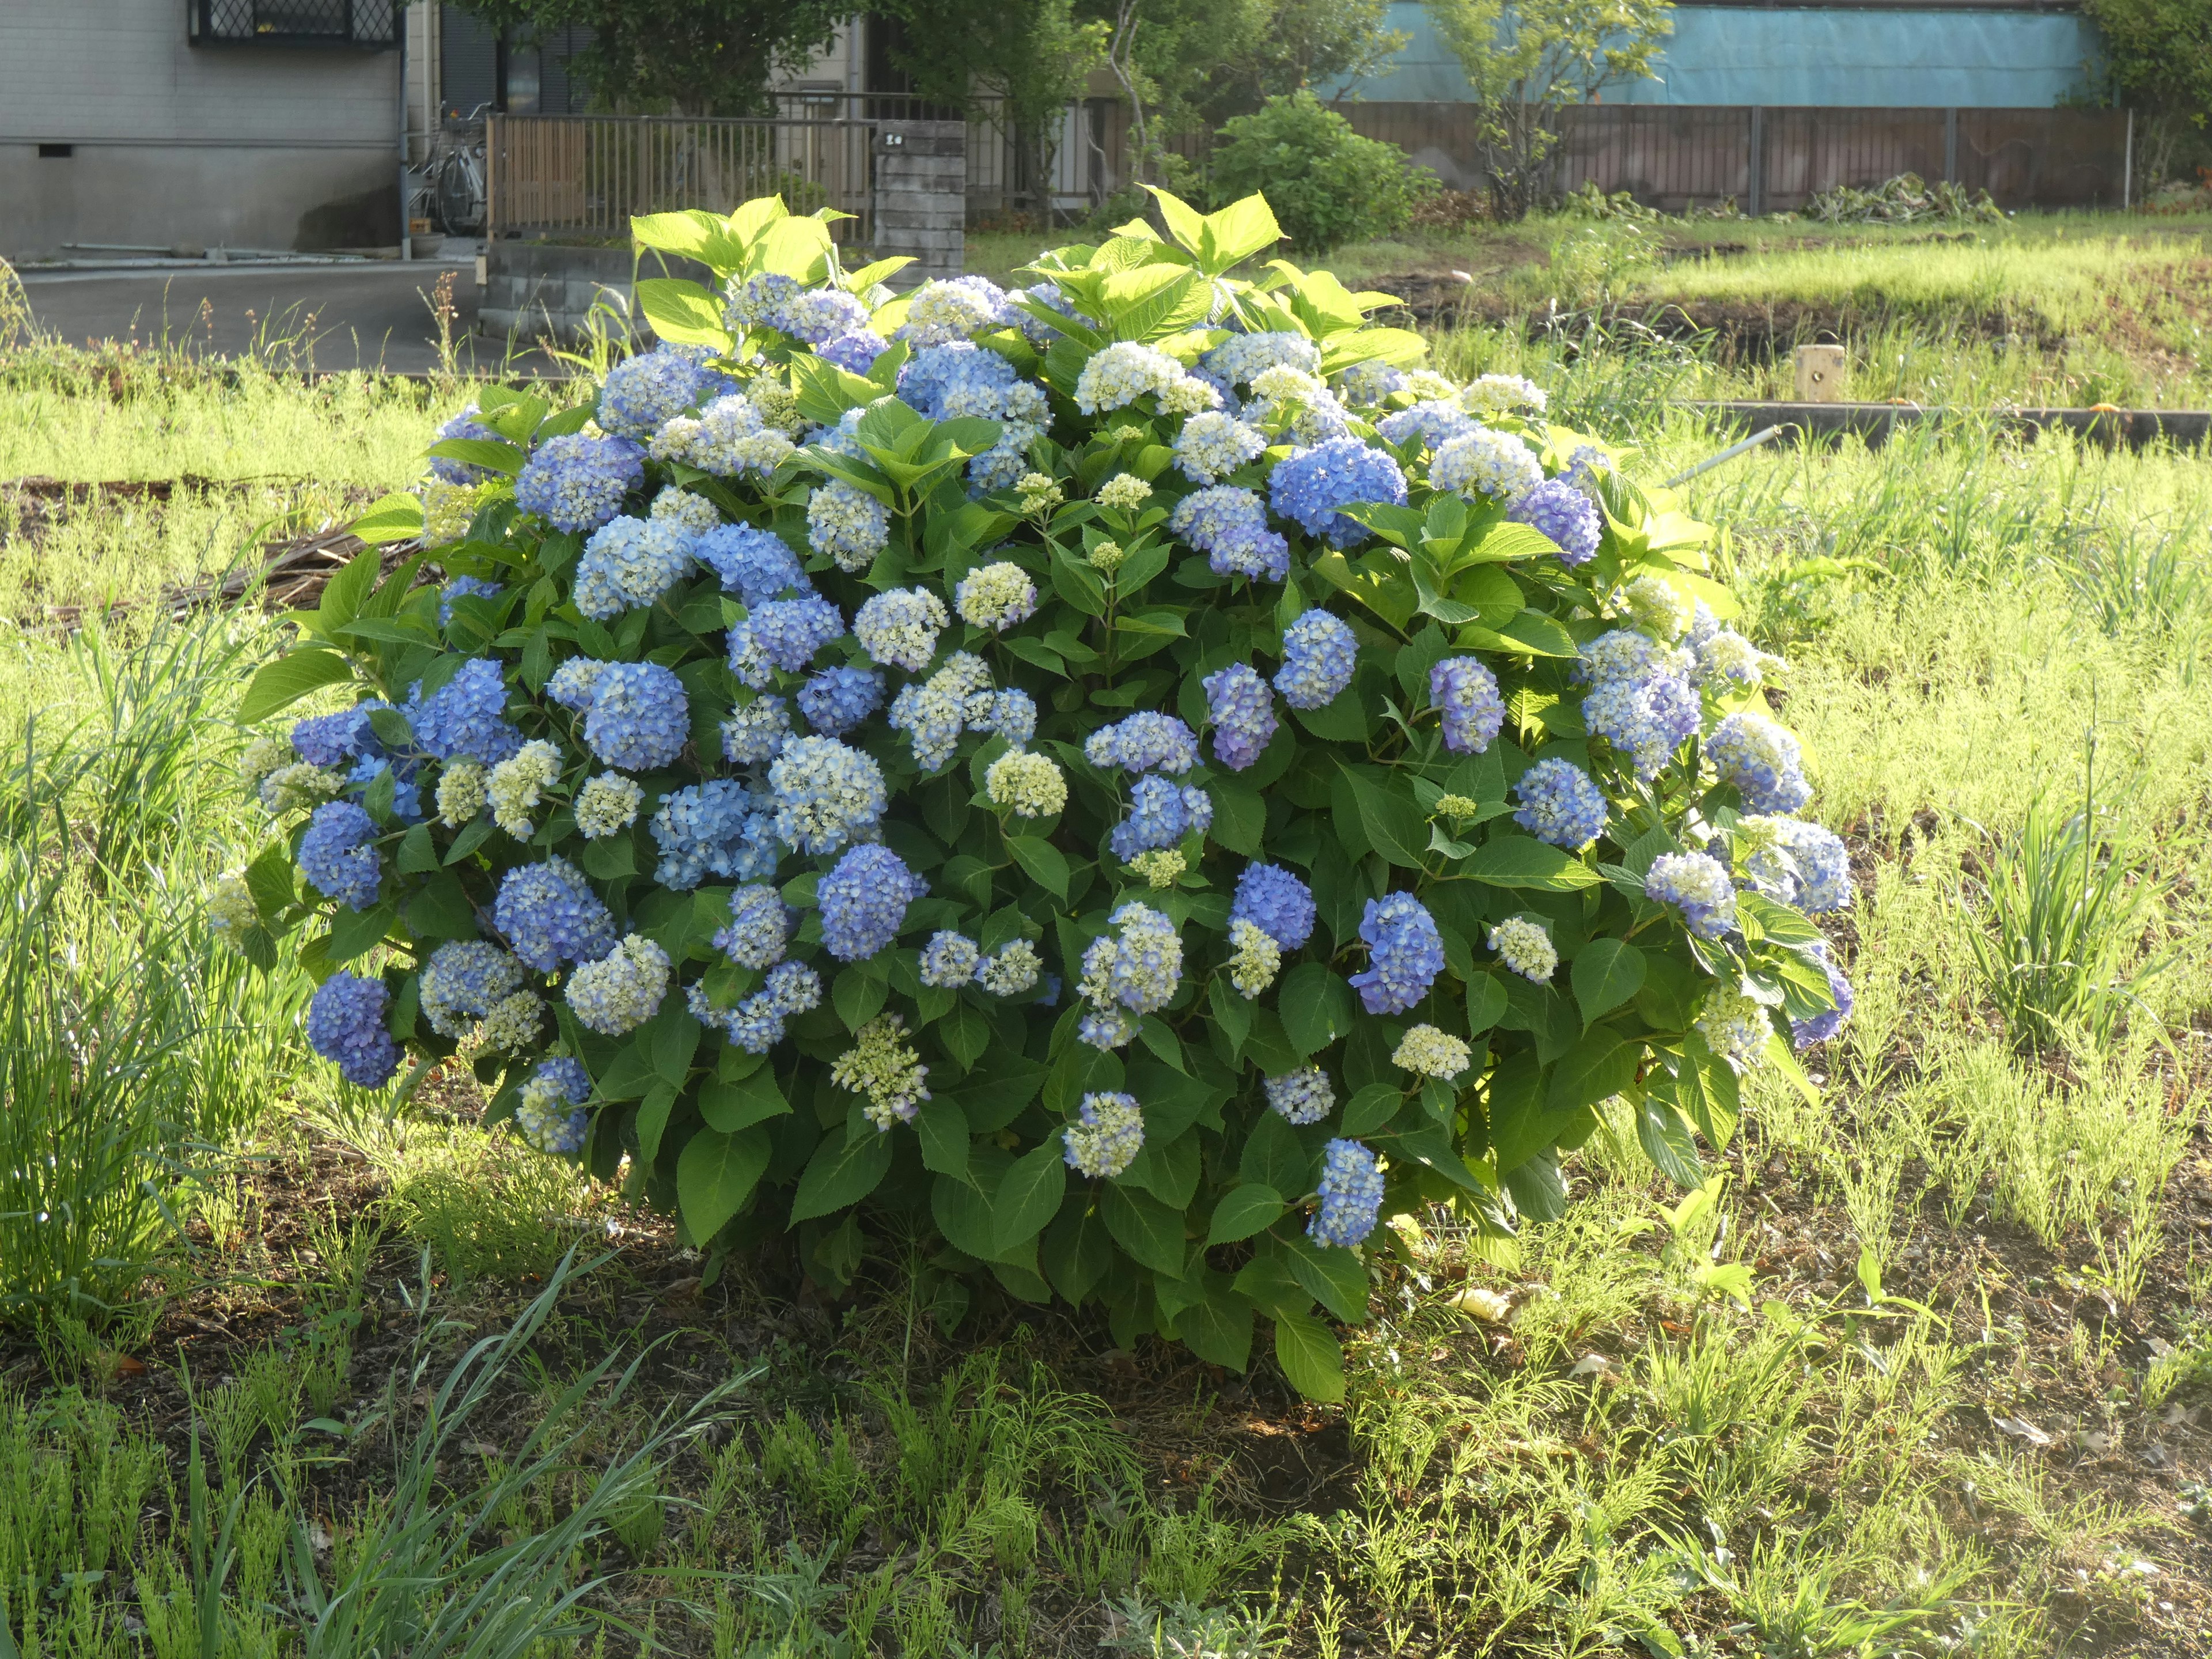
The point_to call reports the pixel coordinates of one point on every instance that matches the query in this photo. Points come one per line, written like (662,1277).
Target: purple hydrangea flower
(1466,695)
(782,634)
(551,915)
(1146,741)
(1406,954)
(1351,1195)
(1229,526)
(577,483)
(716,828)
(1277,902)
(1318,654)
(1315,483)
(1243,715)
(346,1026)
(753,563)
(338,854)
(466,716)
(864,901)
(639,717)
(1560,805)
(1564,514)
(854,352)
(836,700)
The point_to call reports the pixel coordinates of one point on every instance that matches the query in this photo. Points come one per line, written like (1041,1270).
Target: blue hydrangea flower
(1315,483)
(1481,462)
(754,735)
(1370,382)
(1211,445)
(1049,296)
(463,981)
(855,352)
(551,915)
(1305,1096)
(899,628)
(340,739)
(1560,805)
(1646,720)
(639,717)
(1433,421)
(548,1115)
(932,716)
(467,716)
(1243,710)
(338,854)
(825,794)
(759,928)
(463,425)
(1146,741)
(1804,1033)
(836,700)
(759,299)
(1135,969)
(641,392)
(1241,358)
(1351,1195)
(713,828)
(782,634)
(1277,902)
(577,483)
(864,901)
(1229,526)
(1465,694)
(955,308)
(821,313)
(1566,514)
(942,381)
(1798,863)
(1699,886)
(755,564)
(1157,818)
(463,587)
(630,563)
(950,960)
(849,525)
(345,1025)
(406,792)
(574,682)
(1762,760)
(1107,1134)
(1404,951)
(1318,654)
(1013,716)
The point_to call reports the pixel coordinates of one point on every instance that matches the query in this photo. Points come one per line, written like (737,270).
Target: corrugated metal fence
(1673,156)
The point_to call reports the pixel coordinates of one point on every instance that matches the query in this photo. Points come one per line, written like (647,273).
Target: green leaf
(1148,1230)
(1607,973)
(753,1098)
(942,1129)
(1486,1003)
(1600,1067)
(486,453)
(1506,860)
(1243,1212)
(1311,1359)
(1314,1004)
(1030,1195)
(1274,1156)
(1393,823)
(1371,1109)
(395,517)
(1218,1327)
(683,313)
(277,685)
(1043,863)
(841,1173)
(268,878)
(675,1036)
(1237,232)
(653,1119)
(715,1174)
(858,996)
(1667,1142)
(441,909)
(1335,1277)
(354,933)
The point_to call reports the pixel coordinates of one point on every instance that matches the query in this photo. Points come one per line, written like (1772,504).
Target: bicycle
(454,179)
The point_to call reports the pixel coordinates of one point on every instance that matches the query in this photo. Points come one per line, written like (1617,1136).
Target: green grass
(1765,1418)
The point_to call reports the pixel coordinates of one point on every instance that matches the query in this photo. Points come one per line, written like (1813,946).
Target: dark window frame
(346,25)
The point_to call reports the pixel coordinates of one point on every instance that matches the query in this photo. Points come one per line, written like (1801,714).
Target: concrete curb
(2137,428)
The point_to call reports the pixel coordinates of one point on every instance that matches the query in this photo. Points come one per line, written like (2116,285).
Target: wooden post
(1757,176)
(493,138)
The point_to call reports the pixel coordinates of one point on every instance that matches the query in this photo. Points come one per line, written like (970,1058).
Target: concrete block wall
(921,196)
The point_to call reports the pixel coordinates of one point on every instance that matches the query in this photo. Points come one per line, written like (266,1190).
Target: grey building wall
(251,145)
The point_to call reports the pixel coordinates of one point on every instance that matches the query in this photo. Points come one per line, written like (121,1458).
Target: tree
(1529,61)
(1017,63)
(704,56)
(1186,65)
(2158,55)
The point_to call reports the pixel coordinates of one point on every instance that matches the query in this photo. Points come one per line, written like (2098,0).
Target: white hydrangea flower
(1027,784)
(606,804)
(1433,1052)
(1121,374)
(1525,947)
(519,783)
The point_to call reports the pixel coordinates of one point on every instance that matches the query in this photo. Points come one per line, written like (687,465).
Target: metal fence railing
(591,173)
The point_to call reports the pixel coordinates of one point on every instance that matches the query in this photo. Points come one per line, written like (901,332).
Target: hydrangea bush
(1135,780)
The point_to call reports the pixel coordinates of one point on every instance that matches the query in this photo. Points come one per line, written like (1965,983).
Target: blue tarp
(1806,56)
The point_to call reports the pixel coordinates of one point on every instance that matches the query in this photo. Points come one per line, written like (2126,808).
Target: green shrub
(998,952)
(1327,183)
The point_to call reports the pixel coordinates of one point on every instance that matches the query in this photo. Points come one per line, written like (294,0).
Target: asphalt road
(348,316)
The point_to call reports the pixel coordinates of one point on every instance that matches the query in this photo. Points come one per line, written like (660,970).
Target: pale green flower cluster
(885,1070)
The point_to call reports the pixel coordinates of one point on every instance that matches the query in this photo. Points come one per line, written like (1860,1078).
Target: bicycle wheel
(460,204)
